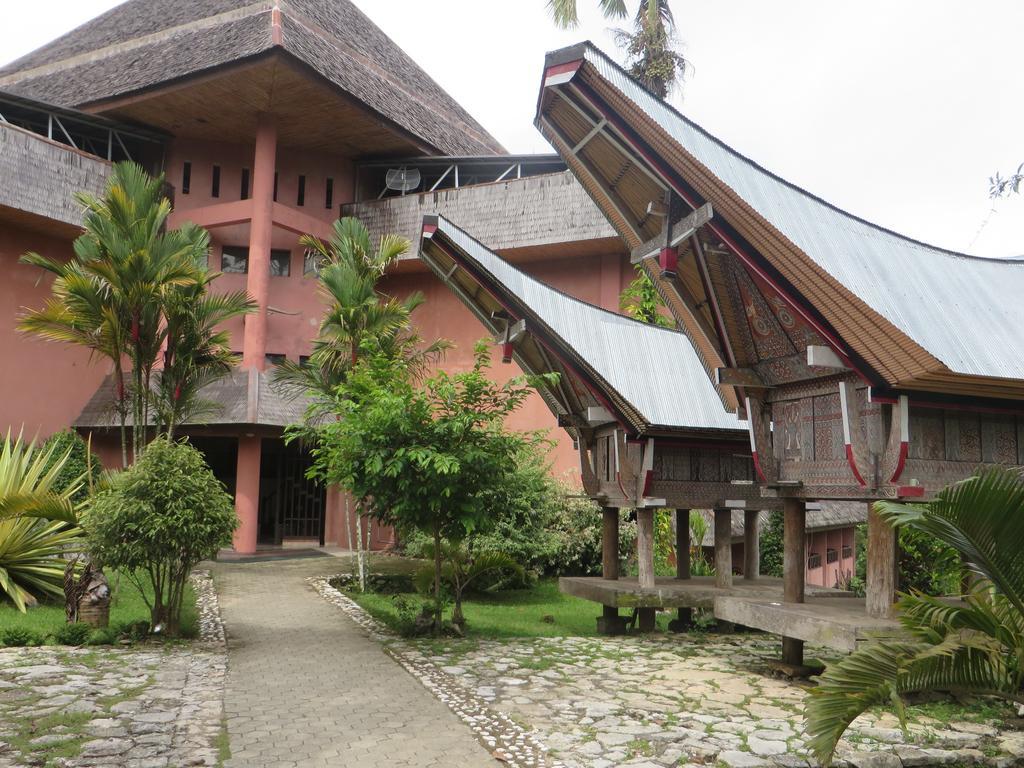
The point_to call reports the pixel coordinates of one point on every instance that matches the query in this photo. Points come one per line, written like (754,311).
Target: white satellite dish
(402,179)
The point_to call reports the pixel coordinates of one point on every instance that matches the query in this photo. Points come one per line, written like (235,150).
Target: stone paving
(308,687)
(656,701)
(138,707)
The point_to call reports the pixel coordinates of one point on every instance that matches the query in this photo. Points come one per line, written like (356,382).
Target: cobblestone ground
(308,687)
(688,701)
(144,707)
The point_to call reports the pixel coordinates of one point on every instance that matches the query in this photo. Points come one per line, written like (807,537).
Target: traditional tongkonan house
(650,428)
(866,364)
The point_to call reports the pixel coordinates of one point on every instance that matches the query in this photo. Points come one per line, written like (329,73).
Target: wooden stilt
(645,547)
(794,565)
(609,622)
(723,548)
(751,544)
(881,571)
(684,616)
(610,543)
(645,620)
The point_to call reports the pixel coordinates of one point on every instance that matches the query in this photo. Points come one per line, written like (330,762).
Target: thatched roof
(142,44)
(534,212)
(243,397)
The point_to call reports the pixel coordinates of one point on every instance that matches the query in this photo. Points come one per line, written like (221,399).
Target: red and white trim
(753,441)
(844,405)
(901,462)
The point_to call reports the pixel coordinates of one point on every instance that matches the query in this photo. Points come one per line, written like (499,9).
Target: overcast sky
(895,111)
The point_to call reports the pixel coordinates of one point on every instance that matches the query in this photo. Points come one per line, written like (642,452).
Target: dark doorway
(291,505)
(221,454)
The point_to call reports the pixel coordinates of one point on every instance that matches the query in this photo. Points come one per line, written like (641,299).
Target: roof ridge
(293,12)
(259,6)
(589,46)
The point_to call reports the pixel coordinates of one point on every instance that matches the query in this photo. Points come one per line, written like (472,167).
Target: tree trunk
(437,578)
(360,563)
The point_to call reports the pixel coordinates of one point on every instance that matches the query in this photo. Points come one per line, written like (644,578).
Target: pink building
(270,120)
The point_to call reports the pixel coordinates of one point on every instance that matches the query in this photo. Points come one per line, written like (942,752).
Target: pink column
(247,494)
(610,282)
(260,232)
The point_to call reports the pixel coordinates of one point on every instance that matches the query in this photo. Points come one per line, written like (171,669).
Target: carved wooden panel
(963,436)
(927,434)
(827,428)
(998,439)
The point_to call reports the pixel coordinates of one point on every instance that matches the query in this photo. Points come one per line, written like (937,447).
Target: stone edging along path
(508,741)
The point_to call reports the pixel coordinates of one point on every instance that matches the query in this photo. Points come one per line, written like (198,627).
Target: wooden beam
(824,357)
(598,415)
(645,547)
(681,231)
(881,571)
(751,544)
(610,543)
(739,377)
(723,548)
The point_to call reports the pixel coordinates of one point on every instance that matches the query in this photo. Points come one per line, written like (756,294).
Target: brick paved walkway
(307,688)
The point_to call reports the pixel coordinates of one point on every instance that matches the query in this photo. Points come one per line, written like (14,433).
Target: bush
(20,637)
(104,636)
(159,519)
(79,468)
(576,523)
(771,546)
(77,633)
(926,564)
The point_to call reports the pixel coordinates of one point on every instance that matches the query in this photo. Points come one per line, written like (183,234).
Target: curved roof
(144,43)
(966,311)
(655,370)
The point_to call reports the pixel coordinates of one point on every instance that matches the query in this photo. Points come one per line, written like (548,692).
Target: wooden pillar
(723,548)
(610,543)
(645,547)
(794,550)
(794,569)
(682,543)
(881,571)
(684,616)
(645,619)
(751,544)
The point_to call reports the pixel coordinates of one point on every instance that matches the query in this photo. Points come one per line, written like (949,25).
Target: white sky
(896,111)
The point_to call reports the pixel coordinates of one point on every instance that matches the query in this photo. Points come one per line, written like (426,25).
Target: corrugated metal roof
(654,369)
(964,310)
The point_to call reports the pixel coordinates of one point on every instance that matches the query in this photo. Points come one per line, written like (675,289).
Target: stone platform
(838,622)
(696,592)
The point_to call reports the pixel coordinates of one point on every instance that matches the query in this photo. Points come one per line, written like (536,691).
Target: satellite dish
(402,179)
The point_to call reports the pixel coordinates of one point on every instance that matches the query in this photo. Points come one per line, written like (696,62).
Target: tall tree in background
(651,46)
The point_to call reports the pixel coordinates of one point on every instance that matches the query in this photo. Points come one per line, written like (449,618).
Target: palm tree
(650,47)
(974,646)
(129,271)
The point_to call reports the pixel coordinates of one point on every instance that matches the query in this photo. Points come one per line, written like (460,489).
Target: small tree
(426,457)
(161,517)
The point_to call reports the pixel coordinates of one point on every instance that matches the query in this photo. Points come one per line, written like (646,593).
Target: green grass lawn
(511,613)
(126,607)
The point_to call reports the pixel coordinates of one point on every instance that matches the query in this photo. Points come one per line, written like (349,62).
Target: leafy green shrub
(31,562)
(771,546)
(79,469)
(161,517)
(103,636)
(926,564)
(20,637)
(73,634)
(133,630)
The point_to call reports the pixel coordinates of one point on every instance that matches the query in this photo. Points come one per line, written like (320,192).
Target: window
(304,361)
(275,358)
(831,555)
(330,194)
(215,186)
(311,262)
(275,186)
(814,561)
(234,260)
(186,178)
(245,185)
(301,197)
(847,551)
(280,263)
